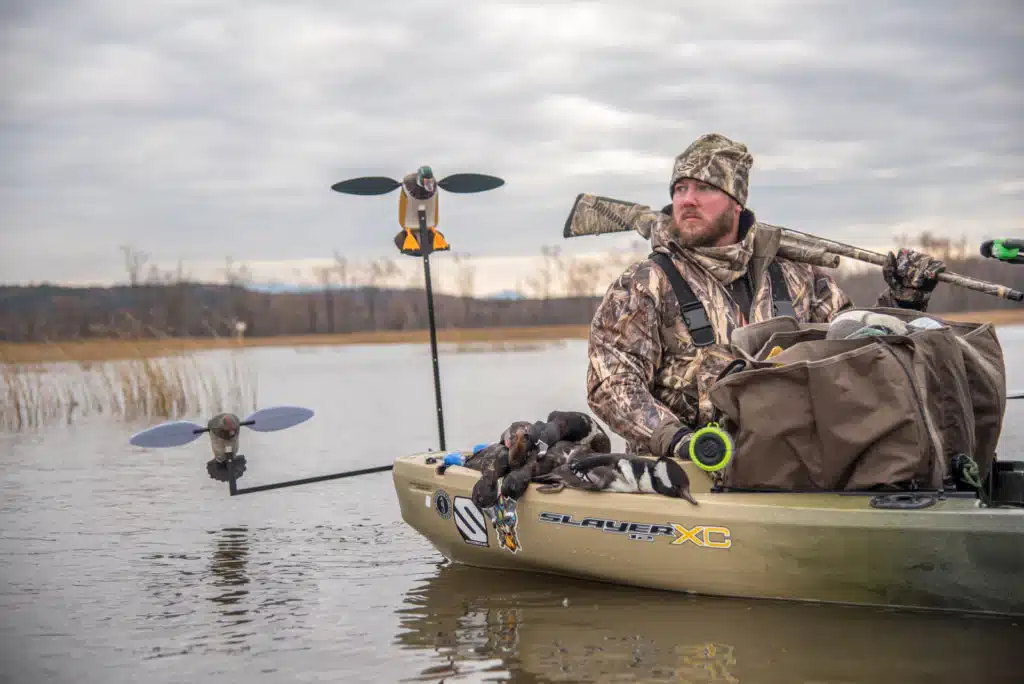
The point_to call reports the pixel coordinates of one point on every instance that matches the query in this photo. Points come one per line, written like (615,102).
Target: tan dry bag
(887,412)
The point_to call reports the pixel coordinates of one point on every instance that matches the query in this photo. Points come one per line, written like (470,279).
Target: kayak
(900,550)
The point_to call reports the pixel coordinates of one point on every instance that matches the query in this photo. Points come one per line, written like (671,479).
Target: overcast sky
(195,131)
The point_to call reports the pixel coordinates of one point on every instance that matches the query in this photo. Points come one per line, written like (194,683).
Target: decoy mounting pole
(426,239)
(419,235)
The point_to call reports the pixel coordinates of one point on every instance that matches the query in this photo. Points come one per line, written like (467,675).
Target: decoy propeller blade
(367,185)
(175,433)
(470,182)
(276,418)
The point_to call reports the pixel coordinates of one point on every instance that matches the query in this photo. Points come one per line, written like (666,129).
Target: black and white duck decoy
(621,473)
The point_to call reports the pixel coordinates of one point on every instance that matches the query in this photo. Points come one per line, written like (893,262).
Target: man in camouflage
(646,379)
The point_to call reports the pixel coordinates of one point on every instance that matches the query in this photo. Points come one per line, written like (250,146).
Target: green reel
(711,448)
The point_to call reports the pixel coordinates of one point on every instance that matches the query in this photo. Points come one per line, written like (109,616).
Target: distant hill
(47,312)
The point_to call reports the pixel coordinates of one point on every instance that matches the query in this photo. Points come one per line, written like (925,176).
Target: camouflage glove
(911,277)
(671,440)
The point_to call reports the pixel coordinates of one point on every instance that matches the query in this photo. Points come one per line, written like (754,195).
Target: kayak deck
(834,547)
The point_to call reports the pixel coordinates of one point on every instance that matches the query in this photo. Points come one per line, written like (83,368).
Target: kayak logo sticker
(701,535)
(470,522)
(443,504)
(704,536)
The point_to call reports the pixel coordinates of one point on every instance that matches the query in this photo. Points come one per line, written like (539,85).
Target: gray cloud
(202,130)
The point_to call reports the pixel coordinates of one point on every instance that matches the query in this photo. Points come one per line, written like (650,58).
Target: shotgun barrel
(877,259)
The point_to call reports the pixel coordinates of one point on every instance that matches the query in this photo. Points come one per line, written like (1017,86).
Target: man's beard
(706,236)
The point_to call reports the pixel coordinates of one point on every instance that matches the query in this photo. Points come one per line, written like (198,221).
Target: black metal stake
(235,490)
(427,246)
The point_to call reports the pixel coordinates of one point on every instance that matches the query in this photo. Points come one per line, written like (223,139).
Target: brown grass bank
(499,339)
(997,317)
(106,350)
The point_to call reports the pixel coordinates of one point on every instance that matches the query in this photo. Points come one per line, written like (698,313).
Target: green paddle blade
(470,182)
(1005,249)
(366,185)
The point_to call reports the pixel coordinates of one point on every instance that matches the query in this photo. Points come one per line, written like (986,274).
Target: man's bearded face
(704,215)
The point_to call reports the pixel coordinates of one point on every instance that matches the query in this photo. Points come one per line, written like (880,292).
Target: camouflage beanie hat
(717,161)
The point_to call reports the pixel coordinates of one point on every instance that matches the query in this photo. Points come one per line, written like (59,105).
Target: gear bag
(877,412)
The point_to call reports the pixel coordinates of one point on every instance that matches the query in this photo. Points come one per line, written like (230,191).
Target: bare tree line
(358,297)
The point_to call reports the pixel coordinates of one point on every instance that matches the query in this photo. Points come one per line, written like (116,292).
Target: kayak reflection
(540,628)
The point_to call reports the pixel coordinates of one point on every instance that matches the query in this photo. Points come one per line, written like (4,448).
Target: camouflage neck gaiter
(725,264)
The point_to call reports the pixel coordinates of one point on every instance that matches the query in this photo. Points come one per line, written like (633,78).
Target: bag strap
(695,317)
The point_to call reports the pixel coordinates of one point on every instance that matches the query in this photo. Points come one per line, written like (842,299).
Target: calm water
(119,566)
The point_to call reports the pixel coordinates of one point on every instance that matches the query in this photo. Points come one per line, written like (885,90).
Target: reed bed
(167,378)
(132,383)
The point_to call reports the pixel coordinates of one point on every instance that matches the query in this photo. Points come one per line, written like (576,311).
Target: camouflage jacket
(644,372)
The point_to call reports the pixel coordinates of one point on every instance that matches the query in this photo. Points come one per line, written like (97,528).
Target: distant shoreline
(106,349)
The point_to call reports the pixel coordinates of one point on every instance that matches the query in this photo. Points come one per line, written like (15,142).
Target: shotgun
(597,215)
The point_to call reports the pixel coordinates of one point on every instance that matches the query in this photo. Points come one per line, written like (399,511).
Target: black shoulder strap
(694,315)
(782,303)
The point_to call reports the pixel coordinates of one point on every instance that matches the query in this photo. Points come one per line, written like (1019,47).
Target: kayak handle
(909,501)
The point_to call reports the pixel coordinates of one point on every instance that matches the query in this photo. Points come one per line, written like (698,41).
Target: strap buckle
(783,308)
(697,322)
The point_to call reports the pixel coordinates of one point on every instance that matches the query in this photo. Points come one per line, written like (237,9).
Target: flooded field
(122,566)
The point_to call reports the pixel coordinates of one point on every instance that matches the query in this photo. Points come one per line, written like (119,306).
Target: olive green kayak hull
(951,554)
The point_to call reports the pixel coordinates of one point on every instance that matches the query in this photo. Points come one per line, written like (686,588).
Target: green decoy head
(425,179)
